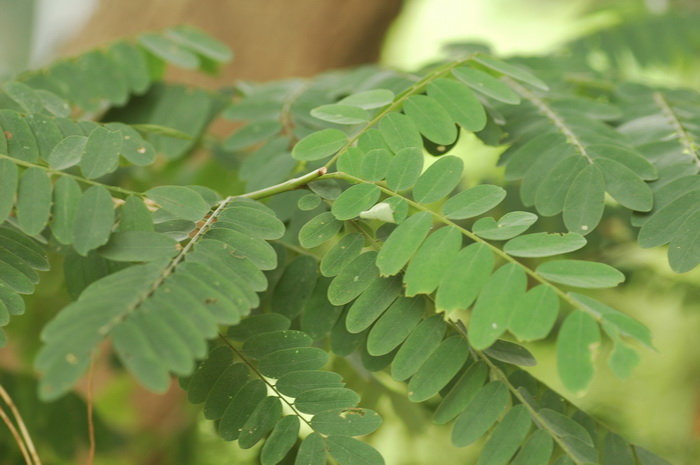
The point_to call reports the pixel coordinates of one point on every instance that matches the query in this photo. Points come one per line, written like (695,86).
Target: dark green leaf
(372,303)
(241,408)
(341,254)
(394,326)
(535,314)
(138,246)
(260,422)
(8,187)
(319,145)
(511,353)
(583,207)
(21,143)
(537,449)
(93,220)
(295,383)
(286,361)
(664,224)
(438,369)
(222,389)
(320,229)
(438,180)
(551,193)
(461,394)
(180,201)
(506,437)
(252,134)
(266,343)
(312,451)
(625,186)
(418,347)
(349,451)
(481,413)
(684,249)
(314,401)
(33,200)
(283,437)
(258,324)
(134,216)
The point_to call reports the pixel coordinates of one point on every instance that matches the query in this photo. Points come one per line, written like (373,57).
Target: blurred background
(658,406)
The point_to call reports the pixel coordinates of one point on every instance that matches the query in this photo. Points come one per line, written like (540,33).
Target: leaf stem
(689,144)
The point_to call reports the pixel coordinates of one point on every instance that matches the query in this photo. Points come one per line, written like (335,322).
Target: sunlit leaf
(486,84)
(535,314)
(438,180)
(580,273)
(464,277)
(577,342)
(404,169)
(403,242)
(340,114)
(346,421)
(355,200)
(319,145)
(430,261)
(473,202)
(464,108)
(510,225)
(583,207)
(544,244)
(431,118)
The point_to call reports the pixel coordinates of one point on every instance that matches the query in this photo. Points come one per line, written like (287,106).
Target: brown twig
(25,441)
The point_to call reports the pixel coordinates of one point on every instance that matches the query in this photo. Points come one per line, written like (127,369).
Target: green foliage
(253,298)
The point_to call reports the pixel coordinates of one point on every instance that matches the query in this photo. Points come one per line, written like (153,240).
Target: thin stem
(16,436)
(547,111)
(689,144)
(26,438)
(90,419)
(289,185)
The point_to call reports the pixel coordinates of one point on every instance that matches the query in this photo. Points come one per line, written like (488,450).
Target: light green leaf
(138,246)
(510,225)
(180,201)
(511,353)
(318,230)
(328,189)
(340,114)
(341,254)
(133,61)
(399,131)
(309,202)
(355,200)
(252,134)
(577,342)
(460,103)
(21,143)
(486,84)
(431,118)
(403,243)
(537,449)
(623,358)
(405,169)
(160,130)
(583,207)
(369,99)
(53,103)
(418,347)
(438,180)
(494,306)
(33,200)
(461,394)
(252,218)
(510,70)
(319,145)
(8,187)
(101,153)
(544,244)
(314,401)
(580,273)
(535,314)
(353,279)
(169,50)
(378,296)
(427,267)
(472,266)
(201,43)
(312,451)
(473,202)
(438,369)
(284,361)
(23,95)
(259,252)
(283,437)
(625,186)
(350,161)
(481,413)
(506,437)
(349,451)
(684,249)
(395,325)
(375,164)
(346,421)
(68,152)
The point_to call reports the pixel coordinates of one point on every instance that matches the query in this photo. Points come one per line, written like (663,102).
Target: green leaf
(68,152)
(138,246)
(399,131)
(551,194)
(481,413)
(511,70)
(577,342)
(473,202)
(511,353)
(266,343)
(375,164)
(580,273)
(21,143)
(394,326)
(438,369)
(648,458)
(201,43)
(252,134)
(252,218)
(312,451)
(583,207)
(510,225)
(350,161)
(53,103)
(438,180)
(295,286)
(132,61)
(132,346)
(403,243)
(309,202)
(346,421)
(494,306)
(684,249)
(625,186)
(544,244)
(616,451)
(506,437)
(349,451)
(295,383)
(355,200)
(431,118)
(258,324)
(285,361)
(319,145)
(404,169)
(427,267)
(340,114)
(207,373)
(318,230)
(378,296)
(169,50)
(23,95)
(134,216)
(315,401)
(418,347)
(369,99)
(180,201)
(33,200)
(564,426)
(631,159)
(486,84)
(260,422)
(665,223)
(535,314)
(8,187)
(342,253)
(464,108)
(461,394)
(101,153)
(93,220)
(160,130)
(537,449)
(241,408)
(521,158)
(472,265)
(623,359)
(353,279)
(283,437)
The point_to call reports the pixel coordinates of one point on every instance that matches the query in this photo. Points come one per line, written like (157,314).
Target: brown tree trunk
(271,39)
